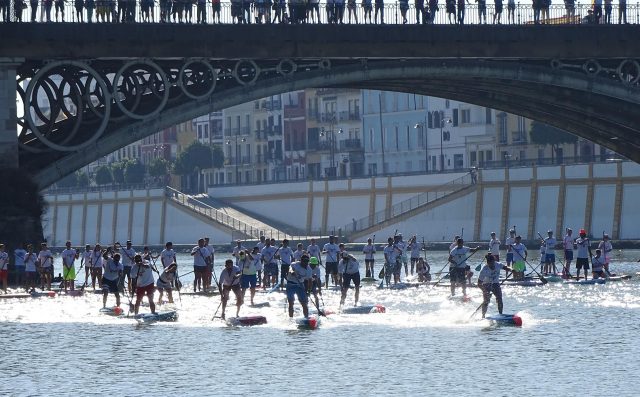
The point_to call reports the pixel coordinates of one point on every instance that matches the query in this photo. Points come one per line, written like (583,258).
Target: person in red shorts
(145,284)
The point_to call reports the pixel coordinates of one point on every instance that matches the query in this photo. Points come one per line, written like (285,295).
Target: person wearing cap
(567,243)
(168,255)
(509,241)
(369,251)
(270,266)
(112,273)
(606,248)
(201,258)
(402,256)
(314,286)
(249,263)
(165,282)
(236,251)
(285,254)
(69,256)
(297,254)
(230,281)
(297,279)
(86,261)
(454,244)
(390,254)
(598,263)
(494,246)
(331,251)
(584,253)
(520,254)
(127,254)
(414,248)
(458,266)
(349,267)
(142,273)
(489,282)
(550,253)
(46,265)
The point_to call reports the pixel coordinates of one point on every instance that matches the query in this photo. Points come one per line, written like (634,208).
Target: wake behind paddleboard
(171,315)
(587,282)
(506,319)
(40,294)
(364,309)
(311,322)
(112,311)
(246,321)
(369,280)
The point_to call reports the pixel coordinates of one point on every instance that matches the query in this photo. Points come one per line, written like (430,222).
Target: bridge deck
(89,41)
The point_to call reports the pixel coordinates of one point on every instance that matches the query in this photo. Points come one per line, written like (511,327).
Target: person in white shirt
(584,253)
(489,283)
(165,282)
(86,261)
(96,266)
(414,248)
(598,263)
(331,251)
(350,269)
(369,251)
(458,268)
(401,259)
(249,265)
(142,273)
(46,266)
(31,270)
(4,267)
(112,273)
(285,255)
(201,259)
(69,256)
(209,269)
(494,246)
(126,254)
(550,258)
(315,285)
(314,250)
(236,251)
(606,248)
(270,265)
(509,241)
(567,243)
(230,281)
(298,279)
(520,254)
(297,254)
(18,255)
(390,254)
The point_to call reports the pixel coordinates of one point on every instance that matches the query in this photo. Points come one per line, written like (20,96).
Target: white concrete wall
(629,216)
(519,199)
(491,218)
(547,210)
(603,205)
(575,207)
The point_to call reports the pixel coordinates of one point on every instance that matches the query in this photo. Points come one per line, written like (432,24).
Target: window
(455,117)
(489,155)
(458,161)
(437,119)
(408,139)
(430,120)
(447,103)
(397,139)
(465,116)
(371,138)
(502,127)
(473,158)
(206,130)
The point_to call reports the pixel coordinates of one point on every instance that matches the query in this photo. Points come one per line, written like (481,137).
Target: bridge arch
(597,108)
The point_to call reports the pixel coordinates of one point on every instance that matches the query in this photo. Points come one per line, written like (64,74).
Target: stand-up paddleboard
(523,283)
(40,294)
(15,296)
(311,322)
(619,277)
(209,292)
(364,309)
(171,315)
(460,298)
(554,278)
(369,280)
(394,286)
(587,282)
(259,305)
(112,311)
(75,292)
(246,321)
(506,319)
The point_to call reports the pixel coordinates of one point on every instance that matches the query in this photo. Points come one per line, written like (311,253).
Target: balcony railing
(350,144)
(328,117)
(350,116)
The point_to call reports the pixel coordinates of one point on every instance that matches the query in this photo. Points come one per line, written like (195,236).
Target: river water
(576,341)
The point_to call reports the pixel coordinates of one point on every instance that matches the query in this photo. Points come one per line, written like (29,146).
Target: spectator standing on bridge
(497,15)
(201,11)
(79,6)
(188,10)
(34,9)
(351,6)
(314,5)
(607,11)
(146,6)
(111,13)
(433,8)
(330,10)
(536,4)
(622,12)
(451,11)
(215,6)
(130,13)
(246,11)
(339,11)
(511,11)
(419,4)
(380,9)
(259,5)
(90,5)
(5,9)
(462,11)
(278,6)
(404,7)
(570,7)
(18,8)
(59,4)
(122,7)
(482,11)
(597,10)
(544,10)
(367,6)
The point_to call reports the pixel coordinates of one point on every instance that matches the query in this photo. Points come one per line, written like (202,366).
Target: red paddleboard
(311,322)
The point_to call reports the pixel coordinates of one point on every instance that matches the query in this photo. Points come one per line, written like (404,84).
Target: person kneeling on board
(598,266)
(299,273)
(230,281)
(489,282)
(165,282)
(142,275)
(112,273)
(350,269)
(423,269)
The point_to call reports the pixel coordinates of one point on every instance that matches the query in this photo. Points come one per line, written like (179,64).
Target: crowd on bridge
(312,11)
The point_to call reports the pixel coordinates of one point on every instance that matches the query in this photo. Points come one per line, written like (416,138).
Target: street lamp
(228,142)
(423,128)
(332,149)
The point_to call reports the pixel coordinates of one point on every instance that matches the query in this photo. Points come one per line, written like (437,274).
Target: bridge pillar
(8,114)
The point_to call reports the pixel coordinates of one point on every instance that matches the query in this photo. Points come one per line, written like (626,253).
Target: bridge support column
(21,204)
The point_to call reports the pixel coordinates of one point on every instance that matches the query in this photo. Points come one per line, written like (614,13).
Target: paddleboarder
(127,254)
(249,262)
(315,285)
(458,268)
(389,260)
(69,256)
(285,255)
(350,269)
(86,260)
(598,263)
(112,273)
(489,282)
(46,266)
(331,251)
(96,266)
(201,259)
(165,282)
(584,253)
(509,241)
(414,248)
(230,281)
(550,253)
(494,246)
(605,248)
(297,277)
(142,273)
(567,243)
(369,251)
(520,254)
(423,269)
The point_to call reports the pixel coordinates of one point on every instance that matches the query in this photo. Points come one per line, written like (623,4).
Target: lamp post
(332,148)
(228,142)
(443,121)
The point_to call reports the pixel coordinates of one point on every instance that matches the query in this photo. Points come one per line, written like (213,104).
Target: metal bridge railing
(198,11)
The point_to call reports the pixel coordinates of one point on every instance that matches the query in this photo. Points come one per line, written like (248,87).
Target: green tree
(158,167)
(103,175)
(544,134)
(117,170)
(200,156)
(82,179)
(134,172)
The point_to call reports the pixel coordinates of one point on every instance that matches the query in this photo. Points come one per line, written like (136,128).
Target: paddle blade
(381,274)
(478,267)
(544,280)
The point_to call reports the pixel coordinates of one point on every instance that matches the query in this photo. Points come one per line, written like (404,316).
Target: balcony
(350,144)
(350,116)
(246,159)
(328,117)
(319,146)
(261,135)
(232,131)
(244,130)
(274,130)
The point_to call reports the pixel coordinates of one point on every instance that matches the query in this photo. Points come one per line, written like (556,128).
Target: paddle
(482,304)
(463,261)
(544,280)
(383,272)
